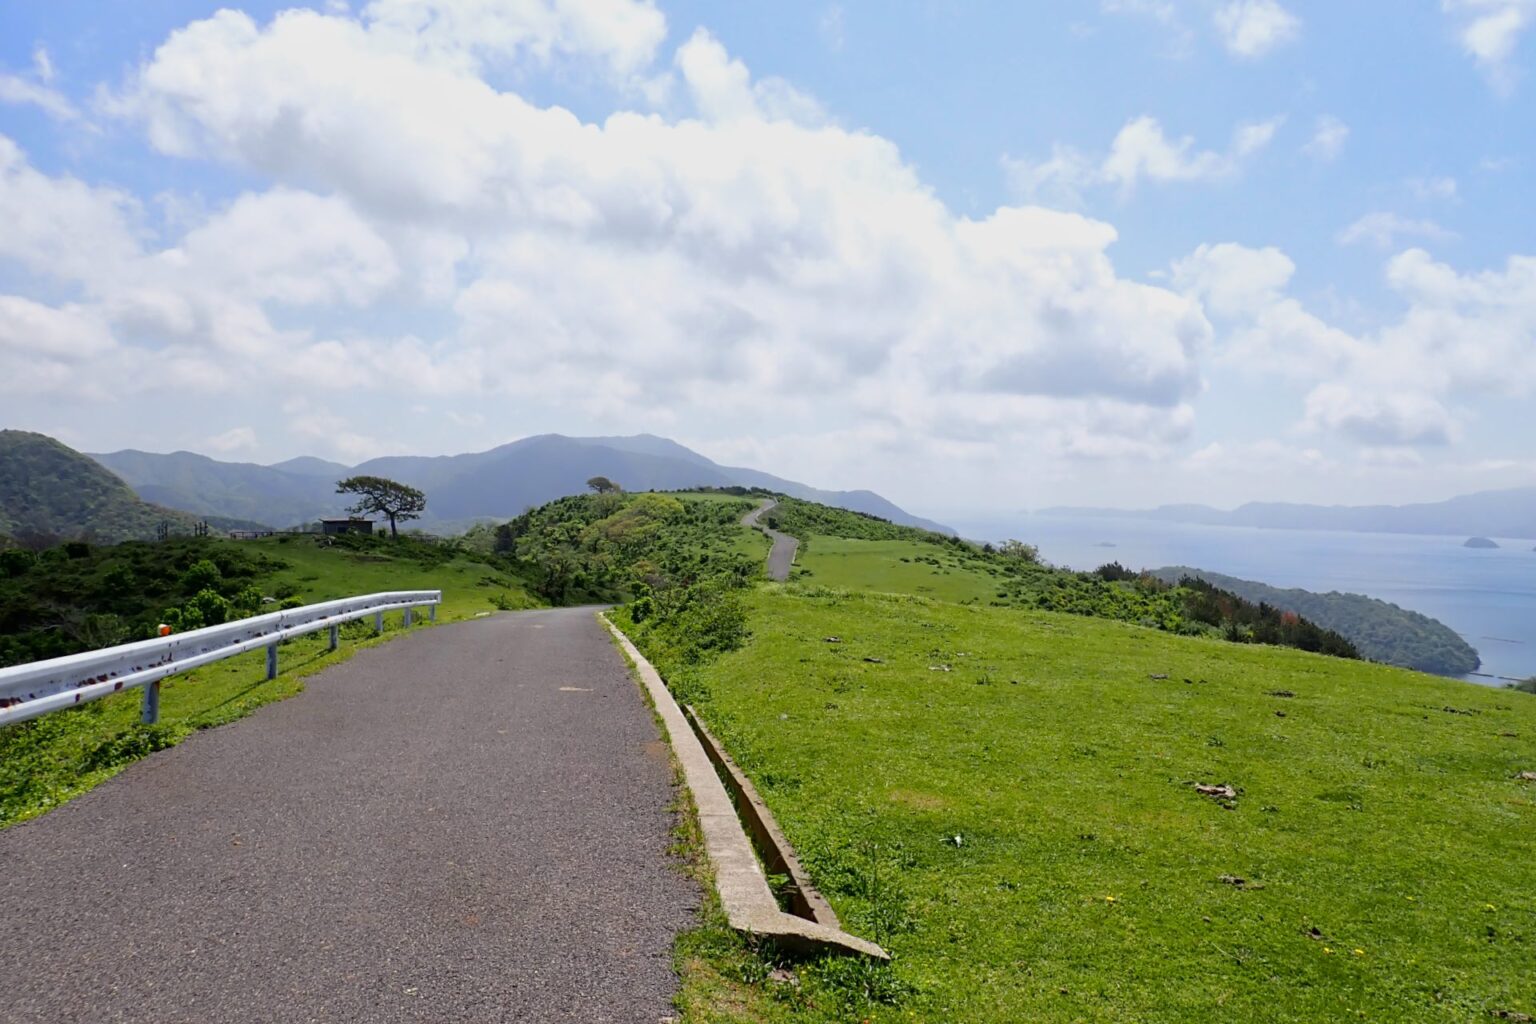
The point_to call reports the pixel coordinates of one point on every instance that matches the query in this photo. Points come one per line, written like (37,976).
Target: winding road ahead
(470,823)
(781,559)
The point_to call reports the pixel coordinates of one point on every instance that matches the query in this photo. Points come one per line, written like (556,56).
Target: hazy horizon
(1118,253)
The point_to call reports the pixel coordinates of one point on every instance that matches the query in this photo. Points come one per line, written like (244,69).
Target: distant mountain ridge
(1504,513)
(495,484)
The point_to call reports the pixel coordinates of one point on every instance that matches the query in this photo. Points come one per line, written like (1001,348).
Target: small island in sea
(1480,542)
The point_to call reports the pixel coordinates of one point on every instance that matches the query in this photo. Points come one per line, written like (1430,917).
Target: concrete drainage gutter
(749,903)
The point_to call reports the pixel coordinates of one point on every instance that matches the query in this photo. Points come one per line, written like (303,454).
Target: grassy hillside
(842,548)
(1007,800)
(1383,632)
(1010,799)
(48,490)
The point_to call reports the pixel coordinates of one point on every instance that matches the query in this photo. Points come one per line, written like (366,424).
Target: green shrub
(201,575)
(15,562)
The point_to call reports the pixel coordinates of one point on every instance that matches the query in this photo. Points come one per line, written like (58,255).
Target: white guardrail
(28,691)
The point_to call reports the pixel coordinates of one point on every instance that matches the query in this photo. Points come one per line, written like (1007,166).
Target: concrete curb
(749,904)
(773,849)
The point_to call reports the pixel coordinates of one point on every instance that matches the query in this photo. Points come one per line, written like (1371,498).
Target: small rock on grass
(1239,883)
(1224,794)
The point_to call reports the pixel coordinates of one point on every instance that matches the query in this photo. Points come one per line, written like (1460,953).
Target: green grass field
(1007,801)
(322,574)
(895,566)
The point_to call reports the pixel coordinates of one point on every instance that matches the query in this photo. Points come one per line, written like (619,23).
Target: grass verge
(1008,802)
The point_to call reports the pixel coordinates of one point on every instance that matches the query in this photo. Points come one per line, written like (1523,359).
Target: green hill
(1068,817)
(50,490)
(1383,632)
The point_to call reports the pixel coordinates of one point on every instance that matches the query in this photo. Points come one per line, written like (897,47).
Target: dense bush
(54,604)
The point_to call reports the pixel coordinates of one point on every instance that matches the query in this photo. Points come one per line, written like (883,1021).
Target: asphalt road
(781,558)
(467,824)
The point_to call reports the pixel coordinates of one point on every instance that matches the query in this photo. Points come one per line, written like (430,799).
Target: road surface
(781,559)
(470,823)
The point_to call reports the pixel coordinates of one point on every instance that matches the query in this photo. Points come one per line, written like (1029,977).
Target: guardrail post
(272,661)
(378,622)
(408,618)
(335,635)
(149,711)
(431,613)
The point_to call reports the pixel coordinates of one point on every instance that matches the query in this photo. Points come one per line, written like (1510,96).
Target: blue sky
(975,256)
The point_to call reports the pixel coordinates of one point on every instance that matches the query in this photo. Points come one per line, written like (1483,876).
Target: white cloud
(1265,329)
(1441,189)
(61,227)
(1490,31)
(1247,29)
(1383,229)
(621,34)
(291,247)
(831,26)
(235,439)
(1252,28)
(1141,151)
(42,65)
(1377,418)
(1461,339)
(1328,139)
(70,333)
(616,267)
(20,91)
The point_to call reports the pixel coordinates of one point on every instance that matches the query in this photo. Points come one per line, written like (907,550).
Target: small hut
(334,526)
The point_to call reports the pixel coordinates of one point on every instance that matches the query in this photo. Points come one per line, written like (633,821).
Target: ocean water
(1488,596)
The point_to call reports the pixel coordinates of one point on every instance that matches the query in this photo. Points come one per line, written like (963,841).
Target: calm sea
(1488,596)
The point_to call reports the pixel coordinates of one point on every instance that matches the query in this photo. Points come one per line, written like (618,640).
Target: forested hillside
(1383,632)
(49,491)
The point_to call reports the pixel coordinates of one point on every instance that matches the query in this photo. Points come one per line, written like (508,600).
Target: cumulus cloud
(644,261)
(1378,418)
(1461,338)
(1489,31)
(1141,152)
(1252,28)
